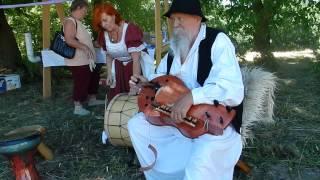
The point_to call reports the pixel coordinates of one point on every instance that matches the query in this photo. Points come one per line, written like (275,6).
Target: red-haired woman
(125,51)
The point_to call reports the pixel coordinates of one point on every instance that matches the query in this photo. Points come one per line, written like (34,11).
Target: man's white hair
(180,42)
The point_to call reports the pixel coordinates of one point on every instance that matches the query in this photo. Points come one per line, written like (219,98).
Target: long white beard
(180,43)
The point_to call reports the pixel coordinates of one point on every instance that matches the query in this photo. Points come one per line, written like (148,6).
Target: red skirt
(123,74)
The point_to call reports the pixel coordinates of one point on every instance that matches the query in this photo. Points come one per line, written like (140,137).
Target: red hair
(104,8)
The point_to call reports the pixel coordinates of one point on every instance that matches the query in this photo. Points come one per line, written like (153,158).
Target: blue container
(3,86)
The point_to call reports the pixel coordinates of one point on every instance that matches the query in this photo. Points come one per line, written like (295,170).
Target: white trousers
(179,157)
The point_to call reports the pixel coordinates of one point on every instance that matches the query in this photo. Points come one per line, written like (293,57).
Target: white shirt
(118,50)
(224,82)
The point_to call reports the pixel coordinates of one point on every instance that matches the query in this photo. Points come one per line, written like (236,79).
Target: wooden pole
(169,25)
(60,12)
(158,32)
(244,167)
(46,82)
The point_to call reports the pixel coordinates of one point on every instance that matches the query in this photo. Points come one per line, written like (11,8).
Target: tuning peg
(216,102)
(156,86)
(207,115)
(229,109)
(221,120)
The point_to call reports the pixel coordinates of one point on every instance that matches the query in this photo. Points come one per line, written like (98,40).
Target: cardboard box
(11,81)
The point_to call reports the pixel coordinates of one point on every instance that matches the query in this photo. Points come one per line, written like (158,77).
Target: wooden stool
(42,148)
(19,149)
(20,145)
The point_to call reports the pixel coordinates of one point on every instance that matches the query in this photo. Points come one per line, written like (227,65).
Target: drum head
(19,142)
(120,109)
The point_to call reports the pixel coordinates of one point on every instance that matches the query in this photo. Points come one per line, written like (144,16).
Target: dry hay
(258,99)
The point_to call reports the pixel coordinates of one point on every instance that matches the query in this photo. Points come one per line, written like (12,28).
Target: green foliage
(29,19)
(270,25)
(292,24)
(139,12)
(296,25)
(316,67)
(24,20)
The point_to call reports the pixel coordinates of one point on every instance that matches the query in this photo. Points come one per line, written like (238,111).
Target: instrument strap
(146,168)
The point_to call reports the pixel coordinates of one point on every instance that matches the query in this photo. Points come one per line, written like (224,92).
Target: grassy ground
(288,149)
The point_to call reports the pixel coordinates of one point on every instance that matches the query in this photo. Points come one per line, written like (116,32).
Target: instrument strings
(166,110)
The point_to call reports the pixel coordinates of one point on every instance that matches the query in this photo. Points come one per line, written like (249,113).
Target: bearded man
(204,59)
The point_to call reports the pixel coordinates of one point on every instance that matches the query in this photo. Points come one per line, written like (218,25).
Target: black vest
(204,67)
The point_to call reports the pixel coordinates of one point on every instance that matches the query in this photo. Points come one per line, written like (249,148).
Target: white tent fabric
(32,4)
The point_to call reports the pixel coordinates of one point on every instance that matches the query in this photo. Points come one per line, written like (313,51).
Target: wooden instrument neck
(166,110)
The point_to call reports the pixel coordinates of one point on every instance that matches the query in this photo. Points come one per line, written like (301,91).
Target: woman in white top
(85,77)
(125,51)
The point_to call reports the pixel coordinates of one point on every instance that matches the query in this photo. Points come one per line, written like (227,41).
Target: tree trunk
(261,36)
(10,54)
